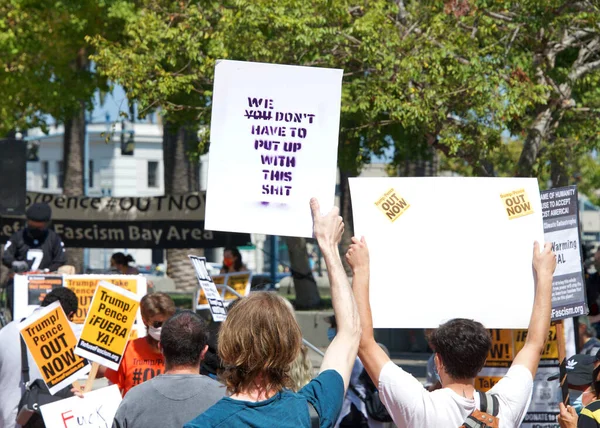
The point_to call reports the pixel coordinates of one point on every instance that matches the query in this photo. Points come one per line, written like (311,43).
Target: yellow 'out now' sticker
(392,205)
(516,204)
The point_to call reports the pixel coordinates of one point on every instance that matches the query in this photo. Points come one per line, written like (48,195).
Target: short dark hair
(122,259)
(182,339)
(66,297)
(463,346)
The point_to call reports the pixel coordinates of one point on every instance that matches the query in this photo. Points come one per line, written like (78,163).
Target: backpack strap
(486,416)
(488,403)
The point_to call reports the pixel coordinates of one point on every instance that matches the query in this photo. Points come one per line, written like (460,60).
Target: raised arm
(341,353)
(369,352)
(544,264)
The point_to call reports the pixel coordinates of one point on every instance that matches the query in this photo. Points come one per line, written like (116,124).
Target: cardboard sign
(96,409)
(215,301)
(276,129)
(455,251)
(108,325)
(30,290)
(84,286)
(561,227)
(51,341)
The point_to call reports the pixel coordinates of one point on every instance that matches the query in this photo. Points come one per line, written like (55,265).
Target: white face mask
(154,332)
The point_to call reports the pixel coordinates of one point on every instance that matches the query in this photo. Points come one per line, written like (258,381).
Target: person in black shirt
(34,248)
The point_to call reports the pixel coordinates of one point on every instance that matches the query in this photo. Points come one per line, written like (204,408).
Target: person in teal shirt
(260,339)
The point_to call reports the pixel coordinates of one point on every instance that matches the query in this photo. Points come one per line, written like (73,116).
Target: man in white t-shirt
(461,348)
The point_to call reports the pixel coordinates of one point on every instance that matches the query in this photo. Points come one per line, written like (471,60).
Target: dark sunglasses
(157,324)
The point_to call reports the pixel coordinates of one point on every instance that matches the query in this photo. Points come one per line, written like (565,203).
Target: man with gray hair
(181,393)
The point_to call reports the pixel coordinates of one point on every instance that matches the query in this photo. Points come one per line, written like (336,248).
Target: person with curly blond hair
(260,339)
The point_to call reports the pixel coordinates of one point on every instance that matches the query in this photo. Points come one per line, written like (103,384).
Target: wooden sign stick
(562,360)
(91,378)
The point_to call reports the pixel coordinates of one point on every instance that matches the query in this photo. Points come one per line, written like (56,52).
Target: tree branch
(582,70)
(497,15)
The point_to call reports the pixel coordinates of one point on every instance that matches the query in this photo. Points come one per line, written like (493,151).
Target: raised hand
(544,262)
(328,229)
(357,255)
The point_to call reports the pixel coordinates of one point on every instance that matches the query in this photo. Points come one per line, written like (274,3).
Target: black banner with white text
(145,222)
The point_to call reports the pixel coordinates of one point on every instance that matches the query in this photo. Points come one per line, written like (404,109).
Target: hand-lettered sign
(108,325)
(215,300)
(51,342)
(96,409)
(274,136)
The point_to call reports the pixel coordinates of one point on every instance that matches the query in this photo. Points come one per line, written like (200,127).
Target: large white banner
(273,146)
(444,248)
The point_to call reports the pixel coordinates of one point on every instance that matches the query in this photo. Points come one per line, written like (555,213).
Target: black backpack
(375,408)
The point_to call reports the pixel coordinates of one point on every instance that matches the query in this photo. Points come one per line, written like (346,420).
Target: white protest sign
(273,138)
(443,248)
(96,409)
(215,300)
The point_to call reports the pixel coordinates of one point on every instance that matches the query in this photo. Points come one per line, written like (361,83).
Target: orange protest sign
(240,282)
(84,287)
(550,351)
(108,325)
(501,352)
(51,341)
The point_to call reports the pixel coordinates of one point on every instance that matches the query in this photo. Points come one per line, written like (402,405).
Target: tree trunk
(307,293)
(531,148)
(180,176)
(558,172)
(73,172)
(346,213)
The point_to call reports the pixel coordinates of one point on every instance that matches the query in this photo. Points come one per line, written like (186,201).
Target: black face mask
(36,233)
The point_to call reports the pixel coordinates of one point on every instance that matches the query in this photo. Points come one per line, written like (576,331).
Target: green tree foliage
(44,66)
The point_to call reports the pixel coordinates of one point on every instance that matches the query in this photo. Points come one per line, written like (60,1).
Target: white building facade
(110,173)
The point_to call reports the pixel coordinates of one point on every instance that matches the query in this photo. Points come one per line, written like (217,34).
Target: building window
(45,174)
(60,175)
(152,174)
(91,174)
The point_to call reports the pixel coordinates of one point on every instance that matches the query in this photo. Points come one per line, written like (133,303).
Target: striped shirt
(590,416)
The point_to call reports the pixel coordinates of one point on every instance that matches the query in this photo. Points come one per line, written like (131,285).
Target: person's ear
(438,362)
(70,316)
(203,353)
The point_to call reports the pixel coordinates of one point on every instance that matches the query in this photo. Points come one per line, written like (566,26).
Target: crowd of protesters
(261,376)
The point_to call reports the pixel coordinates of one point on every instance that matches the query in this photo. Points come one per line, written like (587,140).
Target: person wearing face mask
(579,378)
(34,248)
(142,359)
(232,261)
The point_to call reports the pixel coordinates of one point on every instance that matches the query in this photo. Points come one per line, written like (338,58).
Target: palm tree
(180,176)
(73,171)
